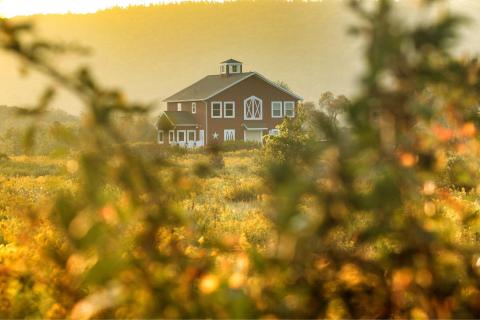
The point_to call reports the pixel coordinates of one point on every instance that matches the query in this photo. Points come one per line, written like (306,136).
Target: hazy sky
(153,52)
(10,8)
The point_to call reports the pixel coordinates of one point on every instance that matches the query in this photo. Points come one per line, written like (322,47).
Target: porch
(179,128)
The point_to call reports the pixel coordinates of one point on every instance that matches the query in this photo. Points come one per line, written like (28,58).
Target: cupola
(230,66)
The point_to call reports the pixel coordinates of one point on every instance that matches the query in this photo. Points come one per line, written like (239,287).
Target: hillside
(9,118)
(155,51)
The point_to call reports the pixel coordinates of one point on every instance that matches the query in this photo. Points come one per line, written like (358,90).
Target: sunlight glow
(11,8)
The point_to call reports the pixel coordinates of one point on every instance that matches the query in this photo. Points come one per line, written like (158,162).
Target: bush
(294,142)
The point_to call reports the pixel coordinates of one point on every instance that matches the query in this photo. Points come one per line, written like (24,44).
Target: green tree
(334,106)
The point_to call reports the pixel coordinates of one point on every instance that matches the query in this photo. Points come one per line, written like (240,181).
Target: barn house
(230,105)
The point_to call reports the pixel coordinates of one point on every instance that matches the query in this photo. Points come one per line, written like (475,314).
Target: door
(253,135)
(191,138)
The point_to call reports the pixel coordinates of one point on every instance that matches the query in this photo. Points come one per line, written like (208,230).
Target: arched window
(253,108)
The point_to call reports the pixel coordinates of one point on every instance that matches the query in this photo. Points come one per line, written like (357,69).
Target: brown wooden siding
(253,86)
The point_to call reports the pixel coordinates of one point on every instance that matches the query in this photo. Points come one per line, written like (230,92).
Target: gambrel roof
(214,84)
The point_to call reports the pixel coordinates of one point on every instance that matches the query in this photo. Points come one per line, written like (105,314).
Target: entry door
(253,135)
(191,136)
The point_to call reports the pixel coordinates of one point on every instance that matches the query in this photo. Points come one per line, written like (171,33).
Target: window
(234,69)
(229,109)
(179,107)
(229,135)
(222,68)
(171,136)
(277,109)
(252,108)
(274,132)
(194,107)
(289,109)
(216,109)
(191,136)
(160,136)
(181,136)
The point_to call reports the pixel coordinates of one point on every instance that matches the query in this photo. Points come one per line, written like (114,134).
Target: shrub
(294,142)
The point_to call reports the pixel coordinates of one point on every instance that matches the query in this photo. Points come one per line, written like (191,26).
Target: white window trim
(184,136)
(237,65)
(194,107)
(225,134)
(225,108)
(194,135)
(170,136)
(211,109)
(179,106)
(293,108)
(281,109)
(245,108)
(160,133)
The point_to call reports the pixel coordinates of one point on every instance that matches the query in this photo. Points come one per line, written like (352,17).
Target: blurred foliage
(333,106)
(364,222)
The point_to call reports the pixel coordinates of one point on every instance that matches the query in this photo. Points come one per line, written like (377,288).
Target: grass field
(227,205)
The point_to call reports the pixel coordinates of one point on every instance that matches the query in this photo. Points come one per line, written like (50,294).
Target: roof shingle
(179,118)
(208,86)
(214,84)
(231,61)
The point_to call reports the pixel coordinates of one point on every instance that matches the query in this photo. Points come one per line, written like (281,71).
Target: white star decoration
(215,135)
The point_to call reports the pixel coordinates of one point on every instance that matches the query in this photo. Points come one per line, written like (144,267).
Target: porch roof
(181,118)
(168,120)
(255,125)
